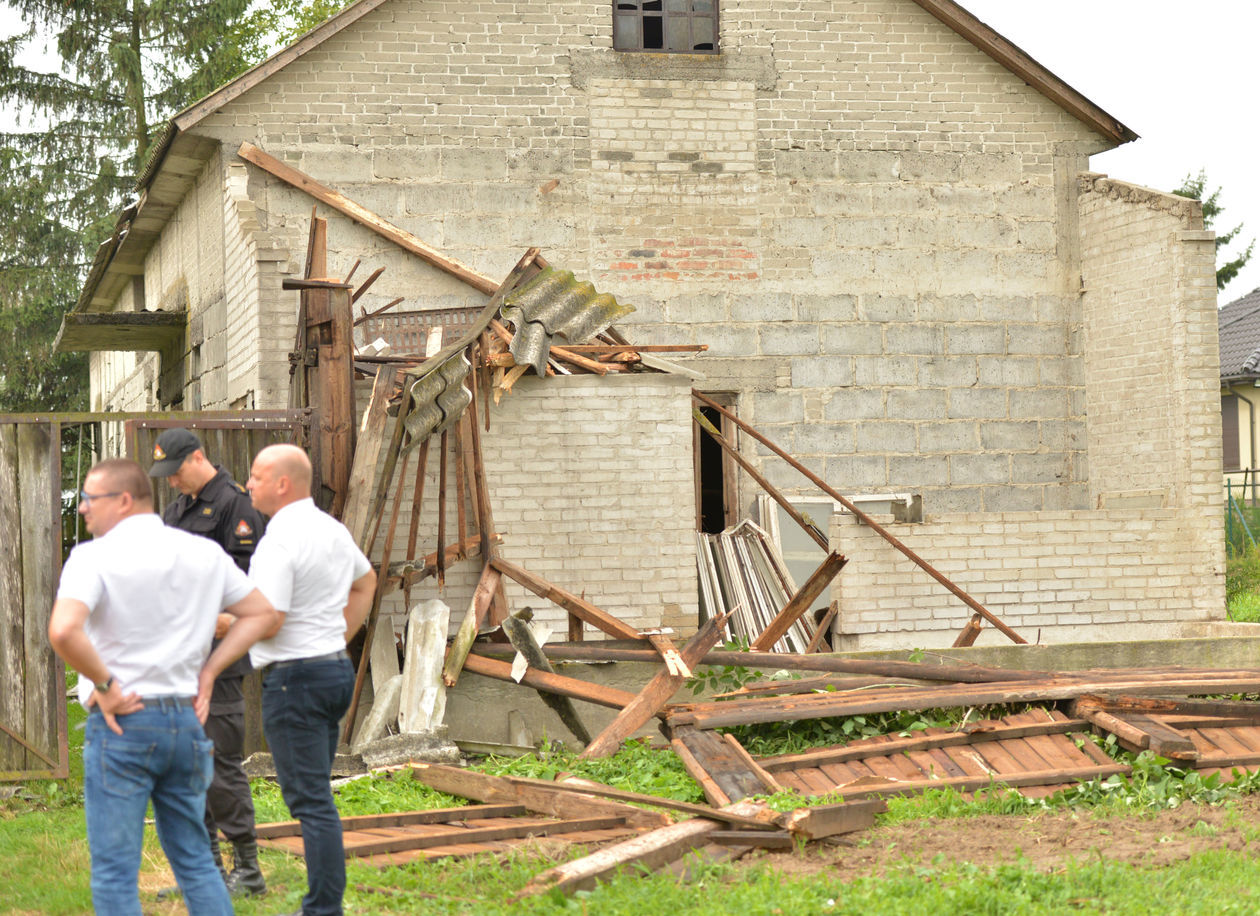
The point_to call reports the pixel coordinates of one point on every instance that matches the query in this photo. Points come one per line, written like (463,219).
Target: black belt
(166,701)
(288,663)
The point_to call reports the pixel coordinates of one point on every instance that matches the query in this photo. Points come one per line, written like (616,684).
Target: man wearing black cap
(215,506)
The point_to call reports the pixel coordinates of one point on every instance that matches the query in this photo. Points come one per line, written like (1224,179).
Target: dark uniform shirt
(222,512)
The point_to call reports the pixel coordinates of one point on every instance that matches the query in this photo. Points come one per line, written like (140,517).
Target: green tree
(81,139)
(1194,187)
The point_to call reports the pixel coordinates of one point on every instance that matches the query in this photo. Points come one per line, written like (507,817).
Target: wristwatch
(104,688)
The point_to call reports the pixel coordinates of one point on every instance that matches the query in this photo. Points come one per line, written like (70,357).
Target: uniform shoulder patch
(239,488)
(208,510)
(243,530)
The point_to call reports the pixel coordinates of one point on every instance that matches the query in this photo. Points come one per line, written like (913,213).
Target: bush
(1242,573)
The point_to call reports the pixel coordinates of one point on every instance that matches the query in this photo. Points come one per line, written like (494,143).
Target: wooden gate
(43,458)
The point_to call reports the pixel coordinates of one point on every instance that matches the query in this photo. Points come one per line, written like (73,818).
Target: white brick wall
(590,485)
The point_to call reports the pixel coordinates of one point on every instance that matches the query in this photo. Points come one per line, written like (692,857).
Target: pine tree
(84,133)
(1193,187)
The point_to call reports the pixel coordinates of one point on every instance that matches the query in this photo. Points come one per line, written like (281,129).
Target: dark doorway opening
(716,484)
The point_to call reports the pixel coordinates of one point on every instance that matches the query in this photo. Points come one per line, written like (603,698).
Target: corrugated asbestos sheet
(549,305)
(553,304)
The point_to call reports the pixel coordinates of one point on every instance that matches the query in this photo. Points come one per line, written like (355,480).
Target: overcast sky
(1182,75)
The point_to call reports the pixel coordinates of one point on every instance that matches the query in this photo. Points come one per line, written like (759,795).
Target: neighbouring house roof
(179,156)
(1238,327)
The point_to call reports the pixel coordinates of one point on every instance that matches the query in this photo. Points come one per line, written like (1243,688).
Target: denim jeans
(302,705)
(162,755)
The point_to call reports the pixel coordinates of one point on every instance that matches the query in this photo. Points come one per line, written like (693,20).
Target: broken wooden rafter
(478,607)
(558,684)
(355,512)
(406,573)
(572,603)
(863,517)
(541,799)
(792,611)
(558,352)
(656,693)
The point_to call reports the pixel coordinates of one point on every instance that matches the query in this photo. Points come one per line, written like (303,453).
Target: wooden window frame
(635,23)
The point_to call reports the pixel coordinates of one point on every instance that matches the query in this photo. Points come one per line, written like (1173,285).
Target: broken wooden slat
(406,574)
(815,823)
(441,524)
(552,683)
(761,839)
(973,783)
(824,625)
(413,527)
(719,764)
(655,694)
(367,284)
(542,799)
(800,602)
(1164,740)
(713,793)
(1235,709)
(668,651)
(768,782)
(970,632)
(859,750)
(650,850)
(570,602)
(367,450)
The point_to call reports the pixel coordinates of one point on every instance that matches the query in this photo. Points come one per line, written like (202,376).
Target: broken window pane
(665,25)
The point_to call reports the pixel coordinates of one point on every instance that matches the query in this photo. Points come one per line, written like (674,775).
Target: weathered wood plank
(39,486)
(729,772)
(596,617)
(553,683)
(656,693)
(398,819)
(367,453)
(813,587)
(12,616)
(831,820)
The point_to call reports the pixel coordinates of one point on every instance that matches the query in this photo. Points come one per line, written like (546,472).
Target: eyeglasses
(85,496)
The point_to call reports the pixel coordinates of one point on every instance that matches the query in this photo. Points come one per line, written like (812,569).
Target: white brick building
(878,214)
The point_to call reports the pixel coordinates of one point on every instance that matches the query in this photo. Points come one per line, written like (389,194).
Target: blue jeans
(302,705)
(162,755)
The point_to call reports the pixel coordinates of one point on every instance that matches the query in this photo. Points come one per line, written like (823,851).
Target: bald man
(310,568)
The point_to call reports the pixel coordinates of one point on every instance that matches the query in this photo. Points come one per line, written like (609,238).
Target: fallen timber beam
(541,799)
(596,617)
(792,611)
(757,817)
(725,775)
(650,850)
(975,783)
(777,688)
(658,691)
(478,608)
(822,706)
(865,519)
(365,217)
(552,683)
(280,829)
(1161,706)
(919,743)
(819,822)
(1136,730)
(624,652)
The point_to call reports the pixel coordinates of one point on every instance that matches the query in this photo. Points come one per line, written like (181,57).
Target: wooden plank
(760,839)
(776,709)
(858,750)
(554,683)
(1164,741)
(831,820)
(713,792)
(1236,709)
(481,835)
(278,829)
(567,600)
(973,783)
(545,799)
(800,603)
(39,490)
(658,691)
(650,850)
(13,756)
(367,452)
(438,776)
(715,757)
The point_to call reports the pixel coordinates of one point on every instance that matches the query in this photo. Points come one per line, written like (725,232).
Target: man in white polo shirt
(135,610)
(310,568)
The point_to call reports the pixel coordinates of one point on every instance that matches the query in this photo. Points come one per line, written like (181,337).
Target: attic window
(681,26)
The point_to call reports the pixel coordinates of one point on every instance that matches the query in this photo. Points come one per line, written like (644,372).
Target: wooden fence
(43,458)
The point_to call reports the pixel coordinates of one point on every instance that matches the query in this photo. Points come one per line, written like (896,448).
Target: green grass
(1245,608)
(44,868)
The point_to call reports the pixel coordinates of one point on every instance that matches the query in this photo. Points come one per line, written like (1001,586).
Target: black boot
(167,893)
(246,879)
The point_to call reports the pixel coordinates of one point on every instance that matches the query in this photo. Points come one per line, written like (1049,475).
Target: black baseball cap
(170,450)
